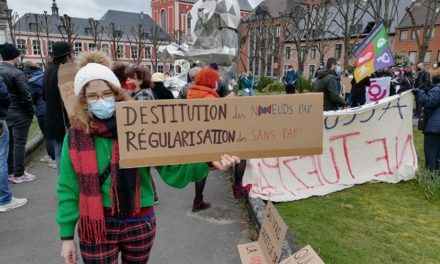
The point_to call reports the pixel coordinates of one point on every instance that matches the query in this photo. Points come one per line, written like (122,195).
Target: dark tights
(239,173)
(200,186)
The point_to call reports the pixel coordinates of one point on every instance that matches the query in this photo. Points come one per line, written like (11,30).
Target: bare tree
(14,26)
(322,32)
(115,33)
(12,18)
(263,32)
(432,8)
(387,11)
(68,29)
(349,14)
(96,30)
(299,23)
(35,24)
(45,23)
(157,38)
(138,39)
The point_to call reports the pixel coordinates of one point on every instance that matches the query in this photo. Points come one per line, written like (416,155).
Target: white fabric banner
(365,144)
(378,90)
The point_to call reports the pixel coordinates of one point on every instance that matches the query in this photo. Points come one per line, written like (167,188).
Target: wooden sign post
(267,249)
(66,76)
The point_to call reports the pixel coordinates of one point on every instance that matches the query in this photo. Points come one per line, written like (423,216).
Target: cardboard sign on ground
(153,133)
(306,255)
(267,249)
(66,75)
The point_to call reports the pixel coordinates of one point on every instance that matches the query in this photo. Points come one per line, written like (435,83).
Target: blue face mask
(103,109)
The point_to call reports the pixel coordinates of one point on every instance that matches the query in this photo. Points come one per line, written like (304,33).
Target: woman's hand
(226,162)
(68,252)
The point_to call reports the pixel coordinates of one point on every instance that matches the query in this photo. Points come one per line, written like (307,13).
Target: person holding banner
(326,83)
(358,90)
(114,206)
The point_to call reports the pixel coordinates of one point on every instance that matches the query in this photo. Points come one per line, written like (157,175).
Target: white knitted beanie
(94,71)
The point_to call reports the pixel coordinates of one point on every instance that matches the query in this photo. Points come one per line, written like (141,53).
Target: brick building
(172,15)
(406,37)
(34,48)
(285,52)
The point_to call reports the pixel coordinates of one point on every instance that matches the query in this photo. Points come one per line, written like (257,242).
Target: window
(50,45)
(120,52)
(78,48)
(313,52)
(288,53)
(3,37)
(412,55)
(303,51)
(160,68)
(147,54)
(92,46)
(105,48)
(148,67)
(338,51)
(312,70)
(36,49)
(432,33)
(427,57)
(438,56)
(413,36)
(134,52)
(188,24)
(21,44)
(163,19)
(404,35)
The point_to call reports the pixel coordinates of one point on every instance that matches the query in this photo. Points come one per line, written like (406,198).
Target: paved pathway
(30,234)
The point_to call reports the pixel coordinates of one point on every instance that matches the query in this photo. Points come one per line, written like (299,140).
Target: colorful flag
(373,54)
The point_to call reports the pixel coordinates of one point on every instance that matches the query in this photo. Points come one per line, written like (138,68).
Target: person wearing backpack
(290,79)
(326,83)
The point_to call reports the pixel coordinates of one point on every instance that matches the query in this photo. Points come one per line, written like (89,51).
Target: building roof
(276,7)
(244,4)
(420,12)
(125,20)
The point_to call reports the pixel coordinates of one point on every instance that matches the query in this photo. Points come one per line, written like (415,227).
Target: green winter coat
(326,83)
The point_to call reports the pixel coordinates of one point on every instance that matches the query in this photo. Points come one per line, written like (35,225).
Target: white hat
(94,71)
(158,77)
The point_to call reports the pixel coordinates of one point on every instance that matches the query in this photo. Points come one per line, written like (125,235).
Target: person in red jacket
(204,86)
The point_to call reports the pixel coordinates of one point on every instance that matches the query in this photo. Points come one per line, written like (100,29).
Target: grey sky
(85,8)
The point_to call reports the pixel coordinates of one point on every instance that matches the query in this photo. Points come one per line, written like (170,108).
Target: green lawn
(33,129)
(370,223)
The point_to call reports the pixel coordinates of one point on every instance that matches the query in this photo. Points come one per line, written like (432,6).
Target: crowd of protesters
(105,200)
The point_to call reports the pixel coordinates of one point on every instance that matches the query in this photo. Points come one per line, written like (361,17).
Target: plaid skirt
(133,239)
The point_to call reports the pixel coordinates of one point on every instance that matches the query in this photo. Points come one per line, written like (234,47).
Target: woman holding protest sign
(114,206)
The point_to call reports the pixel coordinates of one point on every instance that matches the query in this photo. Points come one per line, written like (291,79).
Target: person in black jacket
(159,88)
(7,201)
(358,91)
(429,99)
(422,82)
(20,113)
(326,83)
(222,88)
(57,121)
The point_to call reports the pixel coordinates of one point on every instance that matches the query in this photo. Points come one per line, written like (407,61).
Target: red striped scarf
(125,183)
